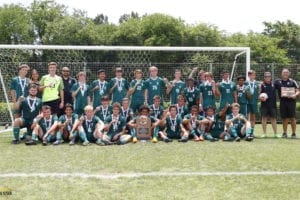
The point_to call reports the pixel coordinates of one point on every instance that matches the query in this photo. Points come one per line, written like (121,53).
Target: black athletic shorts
(268,112)
(54,106)
(287,109)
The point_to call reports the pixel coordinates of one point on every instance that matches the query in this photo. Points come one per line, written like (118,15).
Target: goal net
(92,58)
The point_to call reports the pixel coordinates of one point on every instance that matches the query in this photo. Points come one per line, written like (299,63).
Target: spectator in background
(68,81)
(268,105)
(287,98)
(53,89)
(35,79)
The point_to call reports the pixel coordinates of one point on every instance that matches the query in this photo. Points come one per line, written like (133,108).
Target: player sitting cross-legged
(238,125)
(172,127)
(67,124)
(144,112)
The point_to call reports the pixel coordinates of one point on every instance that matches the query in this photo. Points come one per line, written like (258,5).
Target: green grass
(261,155)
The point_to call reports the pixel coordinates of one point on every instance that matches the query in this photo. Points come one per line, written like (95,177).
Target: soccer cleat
(167,140)
(134,140)
(30,142)
(277,135)
(249,138)
(85,143)
(57,142)
(214,139)
(263,136)
(284,135)
(72,142)
(237,139)
(16,142)
(183,140)
(99,142)
(154,140)
(45,143)
(293,136)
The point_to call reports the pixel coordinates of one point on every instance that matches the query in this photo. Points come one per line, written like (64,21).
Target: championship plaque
(287,91)
(143,128)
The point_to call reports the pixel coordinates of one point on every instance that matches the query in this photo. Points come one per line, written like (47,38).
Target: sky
(230,16)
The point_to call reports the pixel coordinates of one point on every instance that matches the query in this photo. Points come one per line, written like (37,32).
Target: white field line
(150,174)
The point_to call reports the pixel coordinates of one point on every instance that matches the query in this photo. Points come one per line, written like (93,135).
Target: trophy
(143,128)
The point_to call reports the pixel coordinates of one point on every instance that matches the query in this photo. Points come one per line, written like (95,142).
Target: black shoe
(167,140)
(30,142)
(183,140)
(237,139)
(16,142)
(118,142)
(45,143)
(214,140)
(249,138)
(284,135)
(293,136)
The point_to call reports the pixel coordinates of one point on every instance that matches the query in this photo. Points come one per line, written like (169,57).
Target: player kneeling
(67,124)
(90,127)
(172,126)
(45,127)
(237,124)
(115,127)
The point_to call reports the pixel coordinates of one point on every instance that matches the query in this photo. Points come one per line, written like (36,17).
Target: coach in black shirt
(68,82)
(287,102)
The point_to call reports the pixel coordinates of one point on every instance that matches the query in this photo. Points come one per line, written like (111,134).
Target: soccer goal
(92,58)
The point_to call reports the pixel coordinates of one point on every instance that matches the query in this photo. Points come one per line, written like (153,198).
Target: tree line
(47,22)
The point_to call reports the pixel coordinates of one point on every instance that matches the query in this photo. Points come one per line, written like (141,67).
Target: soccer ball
(263,96)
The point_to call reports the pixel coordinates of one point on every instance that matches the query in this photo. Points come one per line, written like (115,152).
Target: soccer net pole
(247,52)
(6,98)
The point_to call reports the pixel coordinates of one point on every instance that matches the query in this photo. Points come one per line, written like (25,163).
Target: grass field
(263,169)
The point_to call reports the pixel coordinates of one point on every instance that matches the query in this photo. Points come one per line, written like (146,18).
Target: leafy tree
(101,19)
(288,34)
(162,30)
(15,25)
(129,33)
(44,12)
(126,17)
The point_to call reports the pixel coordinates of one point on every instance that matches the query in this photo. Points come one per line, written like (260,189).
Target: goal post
(91,58)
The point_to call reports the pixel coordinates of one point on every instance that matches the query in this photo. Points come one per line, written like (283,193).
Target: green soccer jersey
(63,118)
(30,108)
(116,127)
(20,86)
(254,91)
(191,95)
(176,90)
(173,129)
(182,110)
(120,90)
(193,123)
(155,87)
(208,97)
(100,92)
(237,123)
(46,124)
(55,84)
(138,94)
(217,127)
(227,93)
(81,98)
(156,112)
(126,113)
(89,125)
(103,112)
(242,94)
